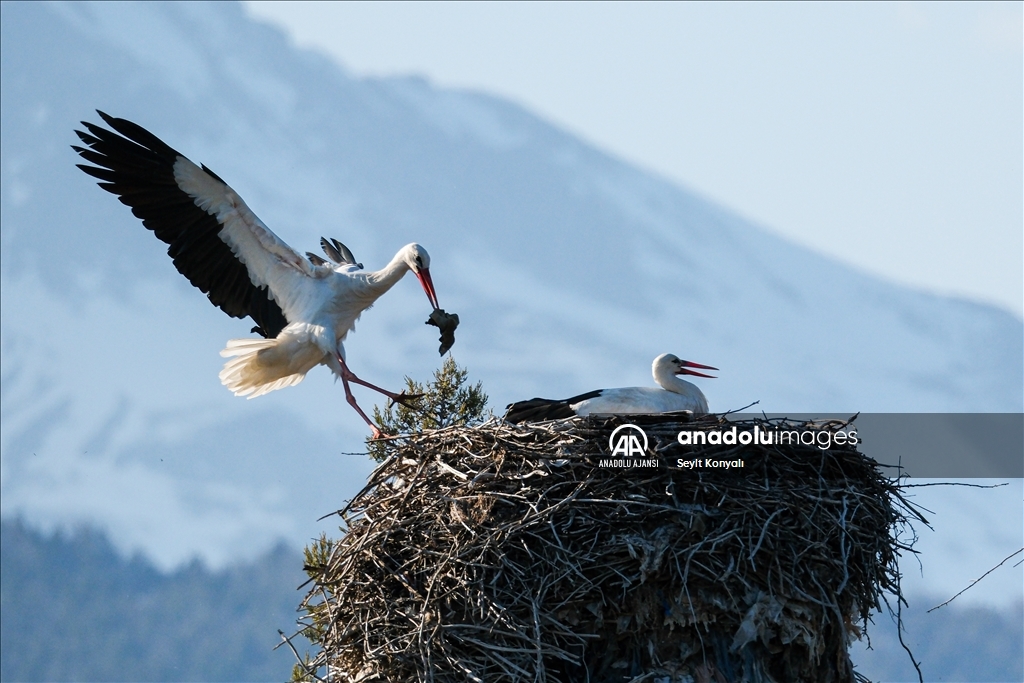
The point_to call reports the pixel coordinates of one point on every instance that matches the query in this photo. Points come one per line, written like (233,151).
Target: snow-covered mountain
(570,270)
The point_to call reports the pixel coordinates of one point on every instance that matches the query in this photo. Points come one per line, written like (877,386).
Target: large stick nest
(505,553)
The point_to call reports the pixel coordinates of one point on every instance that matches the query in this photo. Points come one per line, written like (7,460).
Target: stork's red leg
(349,376)
(352,402)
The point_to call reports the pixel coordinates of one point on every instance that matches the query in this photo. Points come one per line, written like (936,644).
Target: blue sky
(886,135)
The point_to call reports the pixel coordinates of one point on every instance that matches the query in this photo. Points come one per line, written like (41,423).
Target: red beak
(688,364)
(428,286)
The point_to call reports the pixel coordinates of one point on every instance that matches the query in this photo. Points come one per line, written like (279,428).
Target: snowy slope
(570,271)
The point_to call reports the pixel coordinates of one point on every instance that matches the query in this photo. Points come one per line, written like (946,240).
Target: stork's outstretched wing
(215,240)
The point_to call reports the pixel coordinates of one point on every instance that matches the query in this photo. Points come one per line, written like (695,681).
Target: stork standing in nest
(303,307)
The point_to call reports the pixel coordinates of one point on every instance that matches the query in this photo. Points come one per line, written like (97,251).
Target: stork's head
(418,260)
(668,363)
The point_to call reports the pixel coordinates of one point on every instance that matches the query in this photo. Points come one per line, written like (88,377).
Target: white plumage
(304,307)
(324,305)
(674,395)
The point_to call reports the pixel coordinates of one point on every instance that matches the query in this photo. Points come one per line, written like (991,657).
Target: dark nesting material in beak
(447,324)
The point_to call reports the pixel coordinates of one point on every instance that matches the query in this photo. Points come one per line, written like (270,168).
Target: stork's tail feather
(538,409)
(259,366)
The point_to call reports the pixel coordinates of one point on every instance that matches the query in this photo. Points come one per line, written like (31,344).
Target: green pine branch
(446,402)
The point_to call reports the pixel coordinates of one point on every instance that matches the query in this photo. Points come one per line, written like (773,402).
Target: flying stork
(675,394)
(303,307)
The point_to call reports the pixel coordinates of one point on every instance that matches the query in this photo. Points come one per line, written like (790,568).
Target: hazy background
(576,172)
(886,135)
(889,136)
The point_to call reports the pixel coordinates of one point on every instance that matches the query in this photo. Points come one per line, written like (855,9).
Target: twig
(1014,553)
(286,640)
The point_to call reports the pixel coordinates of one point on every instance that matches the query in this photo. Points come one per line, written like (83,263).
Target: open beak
(428,287)
(687,364)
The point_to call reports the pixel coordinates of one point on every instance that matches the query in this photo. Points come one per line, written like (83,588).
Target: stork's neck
(670,382)
(384,279)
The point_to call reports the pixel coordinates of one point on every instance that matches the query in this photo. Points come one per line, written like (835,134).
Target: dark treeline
(73,609)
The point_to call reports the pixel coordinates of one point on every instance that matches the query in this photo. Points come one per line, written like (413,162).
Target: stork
(304,307)
(674,395)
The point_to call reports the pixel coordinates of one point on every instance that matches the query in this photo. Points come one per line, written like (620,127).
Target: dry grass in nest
(504,553)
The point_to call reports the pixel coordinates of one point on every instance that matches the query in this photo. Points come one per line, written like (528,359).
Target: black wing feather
(138,167)
(346,253)
(338,252)
(331,251)
(537,409)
